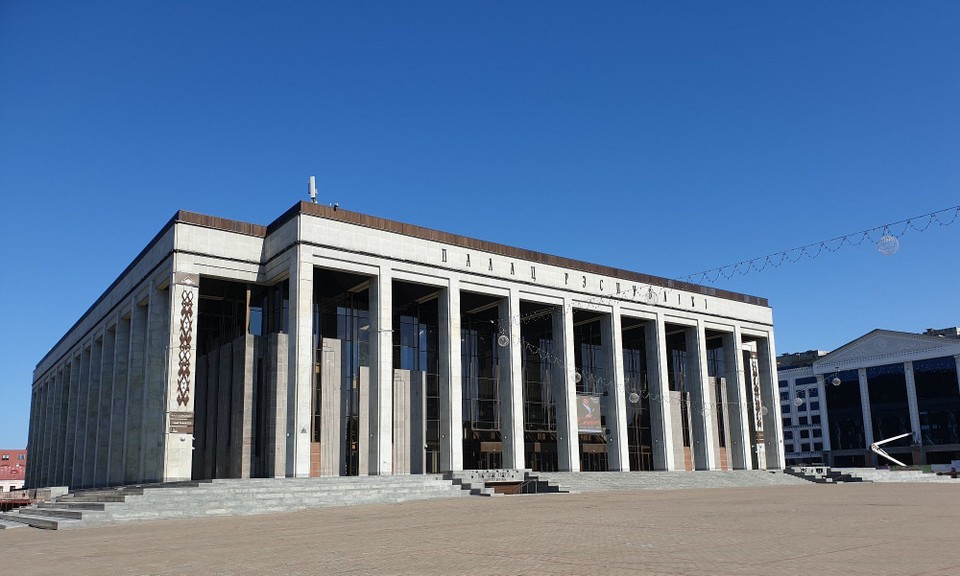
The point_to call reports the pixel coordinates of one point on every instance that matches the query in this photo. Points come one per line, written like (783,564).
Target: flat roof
(412,230)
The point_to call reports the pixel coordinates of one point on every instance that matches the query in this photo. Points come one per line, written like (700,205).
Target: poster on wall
(588,414)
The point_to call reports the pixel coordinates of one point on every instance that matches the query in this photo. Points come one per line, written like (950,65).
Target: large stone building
(881,385)
(335,343)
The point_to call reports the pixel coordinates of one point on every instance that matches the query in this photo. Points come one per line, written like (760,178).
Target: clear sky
(663,137)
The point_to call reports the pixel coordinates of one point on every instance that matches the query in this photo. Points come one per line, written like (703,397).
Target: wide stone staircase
(824,474)
(226,498)
(504,482)
(899,475)
(605,481)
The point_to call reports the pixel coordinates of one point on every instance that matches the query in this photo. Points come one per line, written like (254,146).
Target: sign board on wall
(181,422)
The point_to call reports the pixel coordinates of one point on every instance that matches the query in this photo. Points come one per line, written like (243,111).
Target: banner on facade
(588,414)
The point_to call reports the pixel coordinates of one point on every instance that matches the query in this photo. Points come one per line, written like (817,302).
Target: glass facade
(345,317)
(845,412)
(639,438)
(539,403)
(888,402)
(938,400)
(480,365)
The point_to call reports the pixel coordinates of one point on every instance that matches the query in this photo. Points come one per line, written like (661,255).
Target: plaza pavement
(854,529)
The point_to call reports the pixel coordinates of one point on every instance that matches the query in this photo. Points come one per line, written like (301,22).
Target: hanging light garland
(888,243)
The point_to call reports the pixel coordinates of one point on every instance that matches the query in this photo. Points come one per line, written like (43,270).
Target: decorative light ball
(503,340)
(888,245)
(798,401)
(836,381)
(764,411)
(577,377)
(633,397)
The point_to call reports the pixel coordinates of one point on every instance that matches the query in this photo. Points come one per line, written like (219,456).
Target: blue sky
(662,137)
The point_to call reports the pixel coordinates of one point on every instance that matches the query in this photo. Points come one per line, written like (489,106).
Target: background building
(13,469)
(880,385)
(335,343)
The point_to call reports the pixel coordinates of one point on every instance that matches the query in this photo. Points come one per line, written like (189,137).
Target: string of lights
(887,241)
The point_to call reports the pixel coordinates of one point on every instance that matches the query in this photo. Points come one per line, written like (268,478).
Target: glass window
(813,393)
(818,446)
(784,385)
(803,421)
(806,380)
(938,400)
(787,422)
(845,412)
(814,405)
(817,433)
(804,434)
(888,402)
(815,419)
(788,435)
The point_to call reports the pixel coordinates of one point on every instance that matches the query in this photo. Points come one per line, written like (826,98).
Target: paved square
(860,529)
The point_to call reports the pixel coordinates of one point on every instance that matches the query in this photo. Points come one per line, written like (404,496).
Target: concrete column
(301,370)
(276,360)
(451,385)
(242,408)
(511,389)
(824,420)
(179,386)
(79,401)
(332,432)
(224,389)
(91,415)
(402,415)
(365,438)
(409,422)
(133,471)
(738,415)
(36,425)
(702,412)
(615,401)
(912,402)
(210,402)
(770,395)
(49,427)
(32,447)
(60,423)
(70,406)
(154,418)
(565,390)
(661,425)
(381,373)
(118,414)
(105,412)
(865,406)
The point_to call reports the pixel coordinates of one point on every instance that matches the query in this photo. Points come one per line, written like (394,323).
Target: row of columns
(97,417)
(379,416)
(103,415)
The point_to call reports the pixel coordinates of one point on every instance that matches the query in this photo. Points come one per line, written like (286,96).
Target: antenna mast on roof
(312,189)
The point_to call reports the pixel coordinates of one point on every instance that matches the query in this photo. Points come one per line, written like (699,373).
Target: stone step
(92,499)
(8,525)
(38,521)
(73,505)
(63,513)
